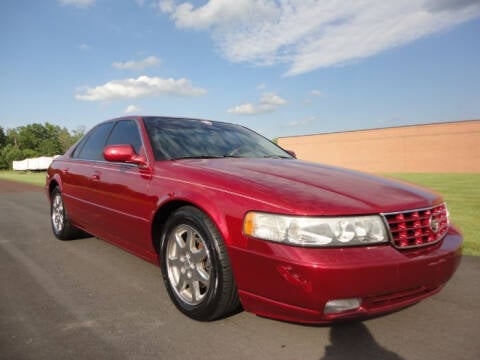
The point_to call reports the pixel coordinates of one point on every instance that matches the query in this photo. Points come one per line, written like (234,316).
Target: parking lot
(86,299)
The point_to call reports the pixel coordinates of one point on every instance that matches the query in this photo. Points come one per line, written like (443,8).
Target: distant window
(126,132)
(93,145)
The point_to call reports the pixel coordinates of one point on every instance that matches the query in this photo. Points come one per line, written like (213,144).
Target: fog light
(336,306)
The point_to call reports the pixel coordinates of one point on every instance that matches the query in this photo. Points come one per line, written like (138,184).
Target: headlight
(316,231)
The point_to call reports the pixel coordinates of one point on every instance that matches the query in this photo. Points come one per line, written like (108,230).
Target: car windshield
(186,138)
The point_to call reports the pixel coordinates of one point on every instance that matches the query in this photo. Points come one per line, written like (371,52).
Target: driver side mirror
(123,153)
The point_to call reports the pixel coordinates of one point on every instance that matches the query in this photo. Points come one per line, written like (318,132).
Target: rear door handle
(95,176)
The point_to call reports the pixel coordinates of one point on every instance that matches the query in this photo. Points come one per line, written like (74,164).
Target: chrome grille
(418,228)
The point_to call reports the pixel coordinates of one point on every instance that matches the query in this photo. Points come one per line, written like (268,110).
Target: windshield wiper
(198,157)
(276,157)
(228,156)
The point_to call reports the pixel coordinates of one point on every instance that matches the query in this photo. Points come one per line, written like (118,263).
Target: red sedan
(234,220)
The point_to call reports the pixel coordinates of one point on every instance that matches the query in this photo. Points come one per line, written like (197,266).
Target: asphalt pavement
(87,299)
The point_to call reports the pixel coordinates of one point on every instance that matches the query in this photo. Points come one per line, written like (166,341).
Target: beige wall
(440,147)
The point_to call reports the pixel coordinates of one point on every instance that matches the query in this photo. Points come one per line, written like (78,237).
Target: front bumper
(295,283)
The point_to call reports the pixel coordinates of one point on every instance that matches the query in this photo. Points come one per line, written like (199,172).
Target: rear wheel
(195,266)
(61,225)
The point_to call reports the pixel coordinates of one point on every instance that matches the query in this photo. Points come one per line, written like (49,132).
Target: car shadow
(354,341)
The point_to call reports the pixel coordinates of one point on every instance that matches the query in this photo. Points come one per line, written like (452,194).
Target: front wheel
(195,266)
(61,225)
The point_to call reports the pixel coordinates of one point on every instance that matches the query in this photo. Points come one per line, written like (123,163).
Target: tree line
(35,140)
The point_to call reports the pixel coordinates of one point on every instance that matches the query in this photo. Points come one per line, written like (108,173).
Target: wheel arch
(160,217)
(168,208)
(54,183)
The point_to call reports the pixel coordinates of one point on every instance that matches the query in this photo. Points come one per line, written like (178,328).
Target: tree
(66,139)
(3,138)
(78,133)
(35,140)
(30,136)
(12,135)
(8,155)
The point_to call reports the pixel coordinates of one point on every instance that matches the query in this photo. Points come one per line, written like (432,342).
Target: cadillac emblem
(434,224)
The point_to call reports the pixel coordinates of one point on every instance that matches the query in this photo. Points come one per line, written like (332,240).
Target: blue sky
(279,67)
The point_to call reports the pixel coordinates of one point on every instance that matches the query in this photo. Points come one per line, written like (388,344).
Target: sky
(279,67)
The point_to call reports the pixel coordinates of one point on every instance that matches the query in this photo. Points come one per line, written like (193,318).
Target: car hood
(306,188)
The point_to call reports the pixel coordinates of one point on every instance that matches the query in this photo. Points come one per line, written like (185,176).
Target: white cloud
(247,109)
(316,93)
(272,99)
(166,6)
(302,122)
(137,65)
(310,34)
(84,47)
(131,109)
(82,4)
(141,87)
(269,102)
(218,12)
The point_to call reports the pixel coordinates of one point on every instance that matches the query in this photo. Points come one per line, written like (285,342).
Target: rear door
(77,173)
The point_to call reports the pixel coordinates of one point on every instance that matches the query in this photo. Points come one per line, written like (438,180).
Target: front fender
(53,180)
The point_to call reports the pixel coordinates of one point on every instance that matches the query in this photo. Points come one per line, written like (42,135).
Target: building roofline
(381,128)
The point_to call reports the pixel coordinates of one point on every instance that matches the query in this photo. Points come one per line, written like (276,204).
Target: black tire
(61,226)
(198,276)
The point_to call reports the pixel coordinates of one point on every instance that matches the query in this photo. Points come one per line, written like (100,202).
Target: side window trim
(79,148)
(80,145)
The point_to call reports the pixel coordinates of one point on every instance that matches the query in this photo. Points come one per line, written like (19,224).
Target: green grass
(35,178)
(460,191)
(462,195)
